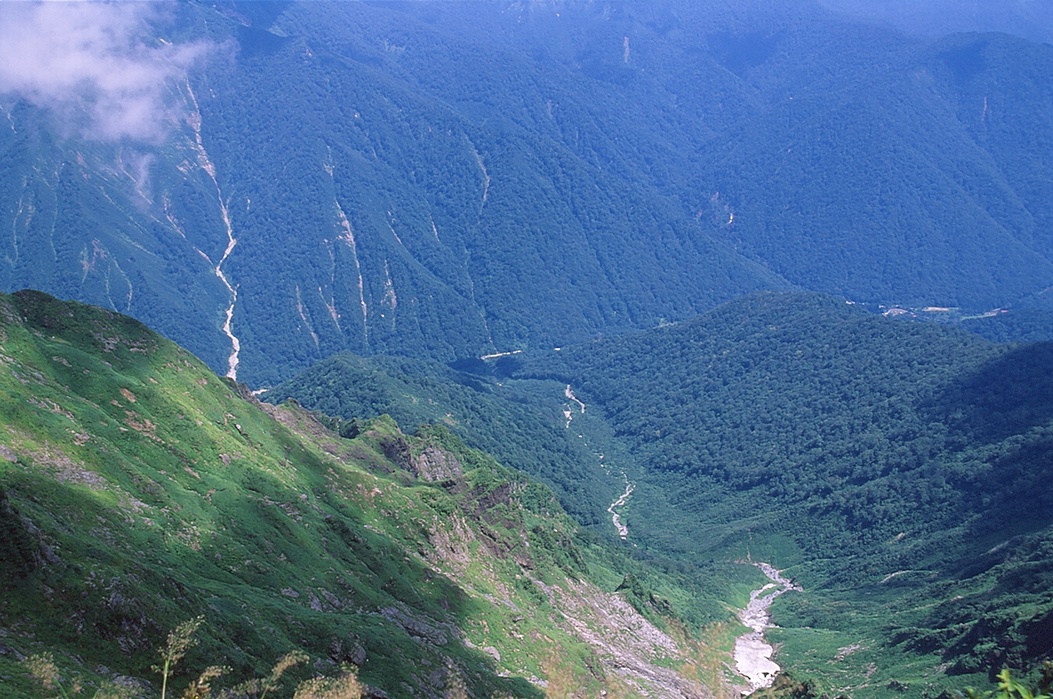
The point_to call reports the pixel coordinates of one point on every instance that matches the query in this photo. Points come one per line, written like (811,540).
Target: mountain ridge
(139,489)
(537,175)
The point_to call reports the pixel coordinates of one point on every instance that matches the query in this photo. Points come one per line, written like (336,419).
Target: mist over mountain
(367,176)
(631,251)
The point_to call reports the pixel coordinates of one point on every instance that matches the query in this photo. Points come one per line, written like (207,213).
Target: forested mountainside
(898,469)
(517,422)
(902,467)
(139,491)
(371,176)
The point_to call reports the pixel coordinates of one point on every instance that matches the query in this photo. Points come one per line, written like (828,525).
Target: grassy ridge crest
(138,490)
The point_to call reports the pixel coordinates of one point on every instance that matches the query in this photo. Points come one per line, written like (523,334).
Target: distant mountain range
(452,179)
(1030,19)
(565,314)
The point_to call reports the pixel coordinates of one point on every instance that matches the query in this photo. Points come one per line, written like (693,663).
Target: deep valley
(517,348)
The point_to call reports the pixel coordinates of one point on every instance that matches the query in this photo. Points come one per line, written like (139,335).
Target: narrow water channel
(752,652)
(623,530)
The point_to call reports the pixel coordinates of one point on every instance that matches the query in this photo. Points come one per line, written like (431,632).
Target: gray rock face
(437,466)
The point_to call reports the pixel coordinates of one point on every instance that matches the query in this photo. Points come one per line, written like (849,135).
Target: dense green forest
(882,461)
(446,180)
(518,422)
(619,261)
(887,462)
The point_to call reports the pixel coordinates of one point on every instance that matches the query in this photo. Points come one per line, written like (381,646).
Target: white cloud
(97,65)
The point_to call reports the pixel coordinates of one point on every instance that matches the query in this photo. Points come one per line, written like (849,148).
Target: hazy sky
(1031,19)
(95,65)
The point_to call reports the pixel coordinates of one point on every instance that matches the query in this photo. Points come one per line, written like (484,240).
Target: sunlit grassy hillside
(138,490)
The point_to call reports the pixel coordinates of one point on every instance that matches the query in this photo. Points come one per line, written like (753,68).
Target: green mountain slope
(138,490)
(517,422)
(911,184)
(899,469)
(446,180)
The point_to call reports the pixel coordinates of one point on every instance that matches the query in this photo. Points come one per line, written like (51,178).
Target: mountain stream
(752,653)
(623,530)
(206,164)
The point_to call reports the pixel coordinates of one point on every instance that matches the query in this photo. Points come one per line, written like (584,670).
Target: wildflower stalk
(42,667)
(180,640)
(290,659)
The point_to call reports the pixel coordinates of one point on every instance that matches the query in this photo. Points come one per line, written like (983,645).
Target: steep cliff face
(138,489)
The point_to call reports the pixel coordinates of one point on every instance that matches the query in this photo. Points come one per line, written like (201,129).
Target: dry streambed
(752,652)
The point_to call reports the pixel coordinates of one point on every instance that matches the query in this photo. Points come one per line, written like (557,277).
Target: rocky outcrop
(629,646)
(437,466)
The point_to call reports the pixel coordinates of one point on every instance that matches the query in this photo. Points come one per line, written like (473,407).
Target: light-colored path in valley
(752,652)
(623,530)
(621,500)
